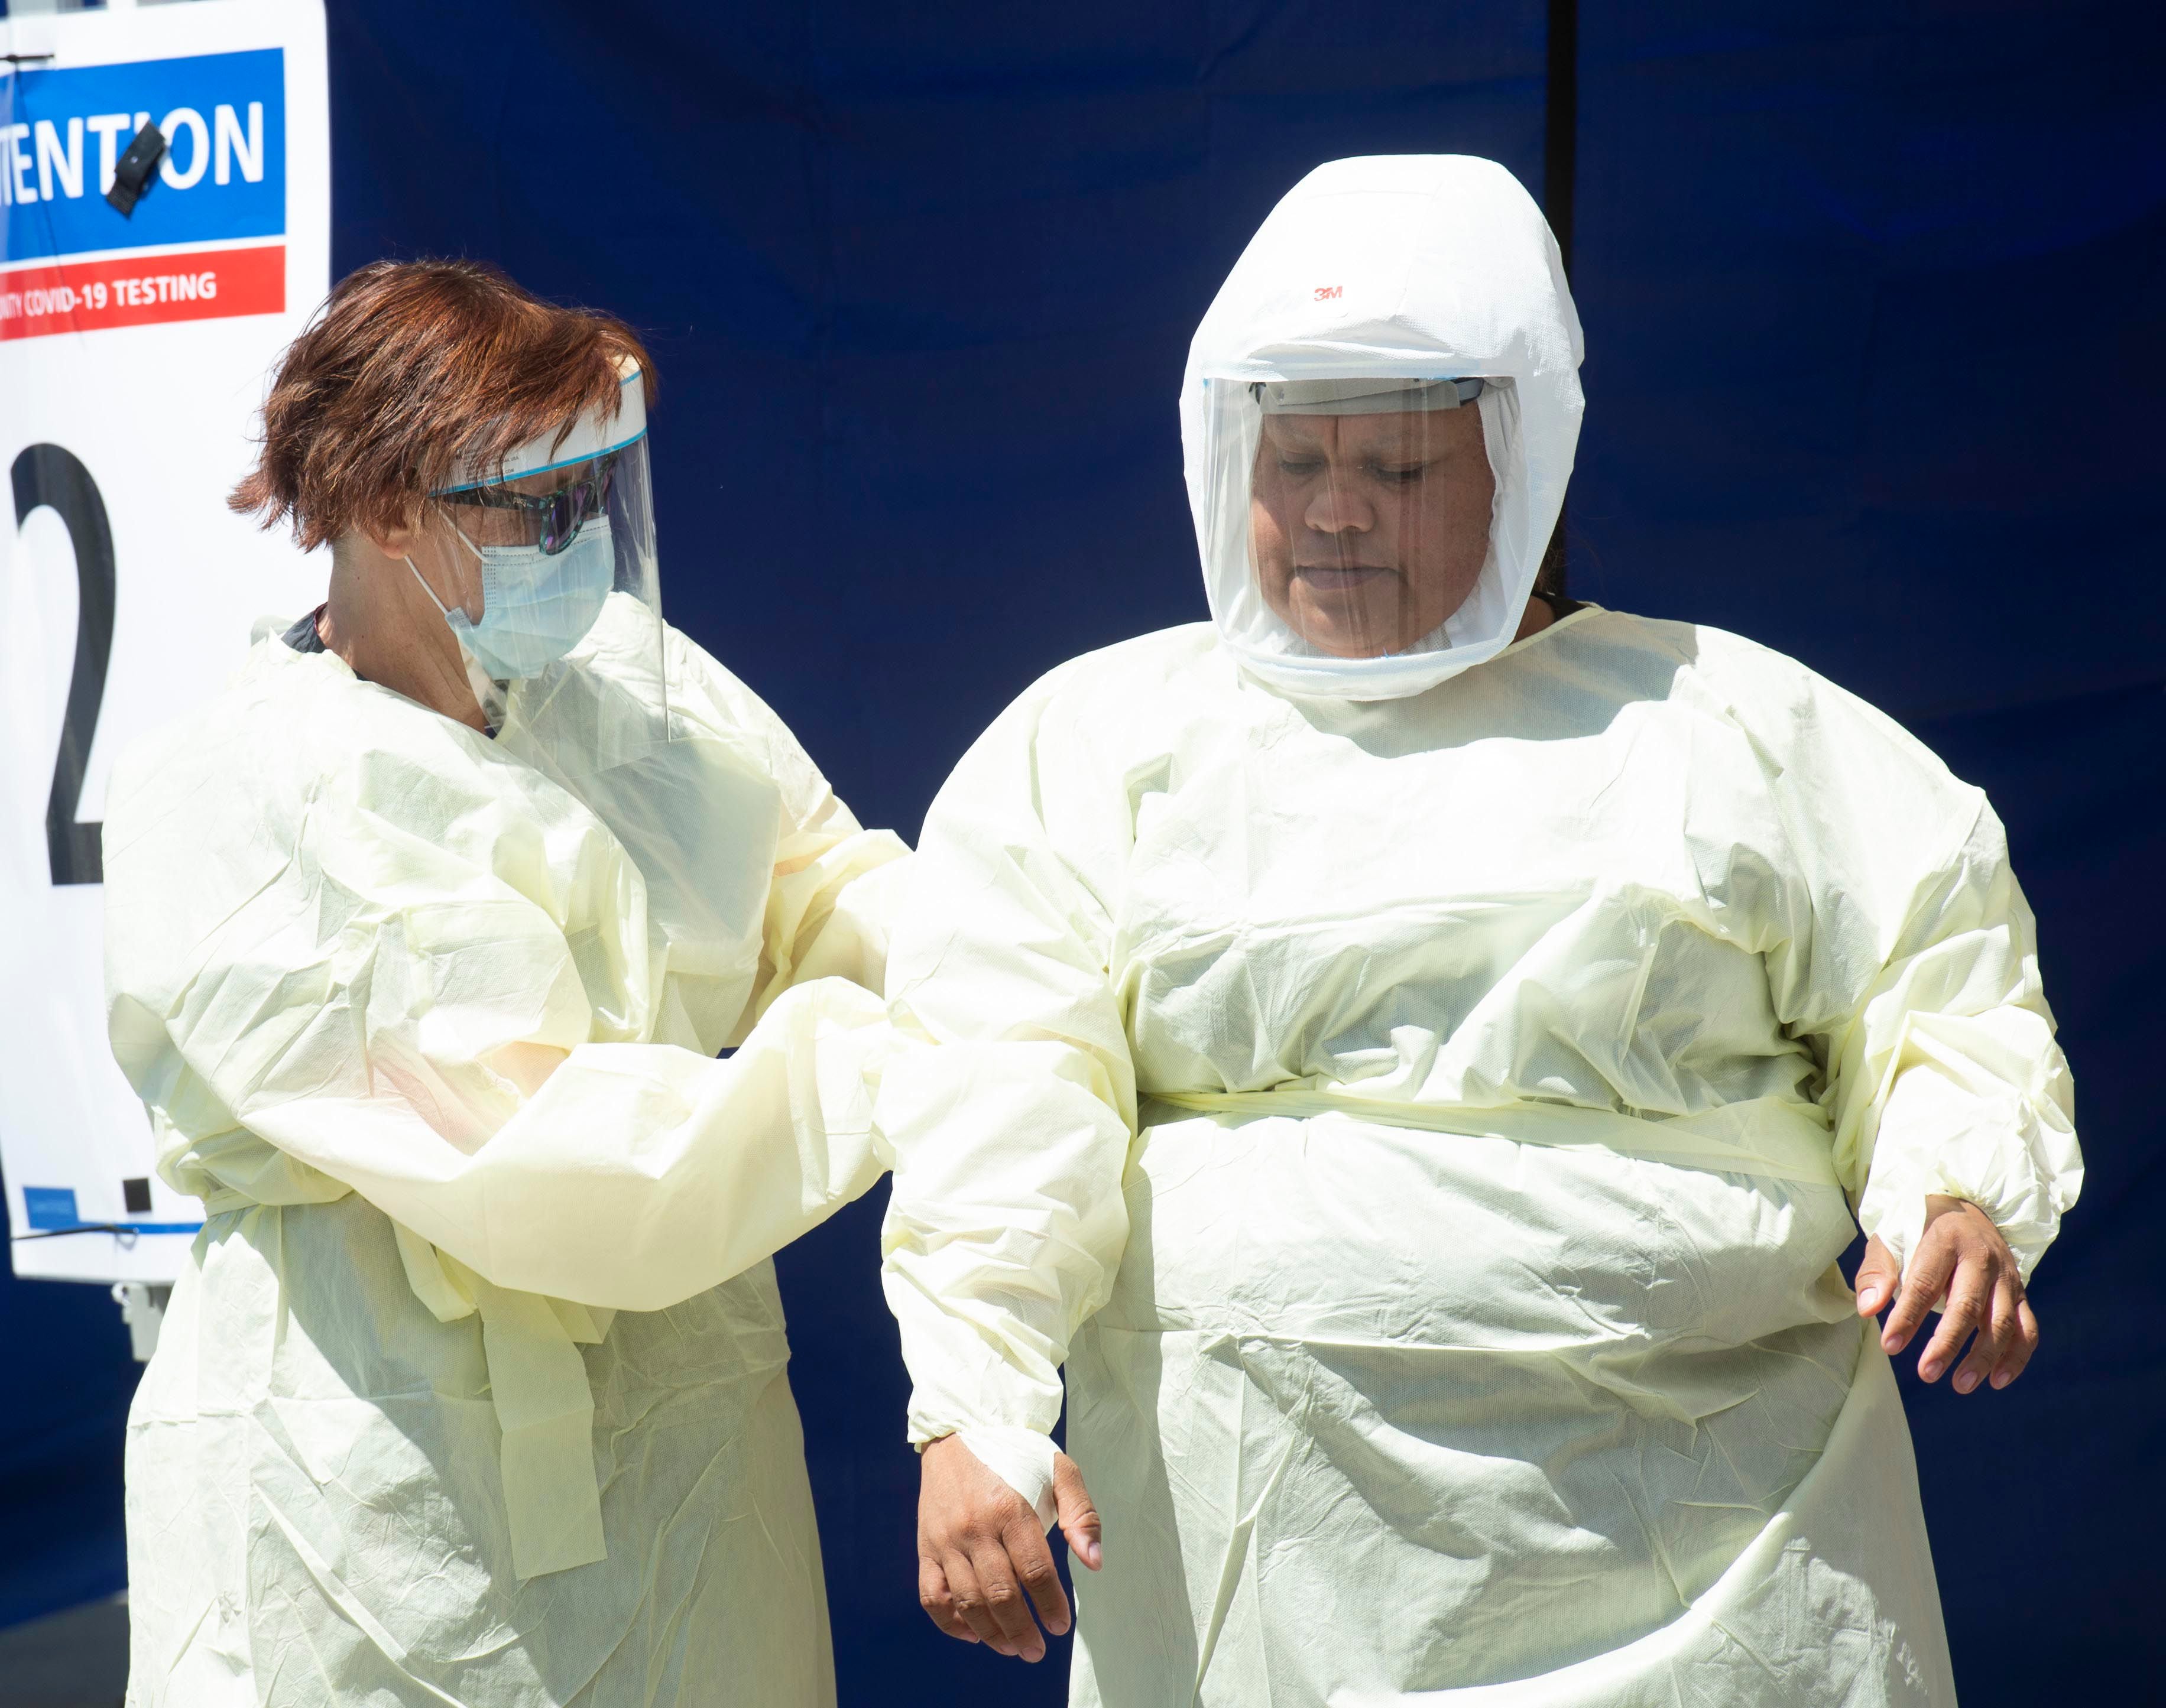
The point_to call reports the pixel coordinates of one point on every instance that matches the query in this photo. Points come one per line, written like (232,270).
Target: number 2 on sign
(45,474)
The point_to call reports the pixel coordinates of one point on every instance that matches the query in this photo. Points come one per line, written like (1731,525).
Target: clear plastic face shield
(545,569)
(1351,524)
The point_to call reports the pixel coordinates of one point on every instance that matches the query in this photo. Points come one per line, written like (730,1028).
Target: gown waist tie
(537,1380)
(1767,1136)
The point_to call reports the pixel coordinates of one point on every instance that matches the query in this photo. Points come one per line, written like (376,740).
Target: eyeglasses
(559,516)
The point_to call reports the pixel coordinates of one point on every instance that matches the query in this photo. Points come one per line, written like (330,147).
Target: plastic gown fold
(1420,1095)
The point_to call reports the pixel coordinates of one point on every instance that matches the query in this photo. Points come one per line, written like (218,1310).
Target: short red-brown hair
(410,368)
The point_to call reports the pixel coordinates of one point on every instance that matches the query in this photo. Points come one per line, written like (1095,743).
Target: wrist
(1022,1458)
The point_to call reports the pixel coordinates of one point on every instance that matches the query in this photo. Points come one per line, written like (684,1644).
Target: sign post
(133,351)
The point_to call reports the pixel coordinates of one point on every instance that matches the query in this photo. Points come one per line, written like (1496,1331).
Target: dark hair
(410,368)
(1550,579)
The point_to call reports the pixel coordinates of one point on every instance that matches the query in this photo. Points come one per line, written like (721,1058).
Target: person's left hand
(1961,1257)
(982,1553)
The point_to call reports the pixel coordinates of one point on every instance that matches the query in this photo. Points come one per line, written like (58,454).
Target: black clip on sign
(131,173)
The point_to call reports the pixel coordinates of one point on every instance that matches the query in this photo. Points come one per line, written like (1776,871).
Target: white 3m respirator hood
(1394,267)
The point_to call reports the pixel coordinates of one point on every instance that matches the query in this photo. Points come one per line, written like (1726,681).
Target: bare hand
(980,1550)
(1960,1259)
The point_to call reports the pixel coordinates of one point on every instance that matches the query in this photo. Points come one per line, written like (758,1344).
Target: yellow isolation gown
(473,1391)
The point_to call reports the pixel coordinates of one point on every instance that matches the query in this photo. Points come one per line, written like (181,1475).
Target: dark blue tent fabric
(1870,296)
(63,1398)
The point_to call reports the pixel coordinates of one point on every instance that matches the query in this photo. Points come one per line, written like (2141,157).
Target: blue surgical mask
(536,606)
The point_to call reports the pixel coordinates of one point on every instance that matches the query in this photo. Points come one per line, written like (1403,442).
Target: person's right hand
(980,1550)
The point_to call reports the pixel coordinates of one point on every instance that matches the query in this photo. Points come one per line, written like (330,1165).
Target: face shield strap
(612,427)
(1363,397)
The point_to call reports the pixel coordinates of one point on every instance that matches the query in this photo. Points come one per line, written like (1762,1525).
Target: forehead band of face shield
(595,435)
(1363,397)
(586,453)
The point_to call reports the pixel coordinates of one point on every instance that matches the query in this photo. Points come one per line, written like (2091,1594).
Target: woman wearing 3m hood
(1413,1049)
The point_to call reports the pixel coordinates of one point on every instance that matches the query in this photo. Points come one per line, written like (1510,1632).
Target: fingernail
(1967,1381)
(2001,1378)
(1929,1372)
(1869,1299)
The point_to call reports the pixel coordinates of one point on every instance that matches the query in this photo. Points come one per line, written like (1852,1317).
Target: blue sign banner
(63,130)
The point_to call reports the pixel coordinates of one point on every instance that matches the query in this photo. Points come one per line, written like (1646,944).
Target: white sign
(134,352)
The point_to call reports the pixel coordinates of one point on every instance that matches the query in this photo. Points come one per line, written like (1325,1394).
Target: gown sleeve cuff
(1022,1458)
(2014,1156)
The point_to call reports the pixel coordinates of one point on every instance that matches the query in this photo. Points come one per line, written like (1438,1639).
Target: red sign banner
(208,284)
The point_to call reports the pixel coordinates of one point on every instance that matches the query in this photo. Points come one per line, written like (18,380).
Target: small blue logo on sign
(51,1208)
(224,175)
